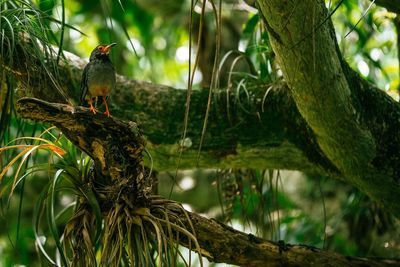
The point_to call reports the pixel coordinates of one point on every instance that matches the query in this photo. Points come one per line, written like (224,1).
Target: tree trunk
(350,128)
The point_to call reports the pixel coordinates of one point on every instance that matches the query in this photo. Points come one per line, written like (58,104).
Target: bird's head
(101,51)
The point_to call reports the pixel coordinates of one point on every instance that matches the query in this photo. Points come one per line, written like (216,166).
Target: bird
(98,78)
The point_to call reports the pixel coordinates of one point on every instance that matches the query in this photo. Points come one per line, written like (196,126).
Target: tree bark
(263,130)
(222,243)
(332,99)
(119,159)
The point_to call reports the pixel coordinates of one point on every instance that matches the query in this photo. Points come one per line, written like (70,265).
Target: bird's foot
(107,113)
(93,109)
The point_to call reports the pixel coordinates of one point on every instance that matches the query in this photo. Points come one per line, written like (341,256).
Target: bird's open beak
(108,48)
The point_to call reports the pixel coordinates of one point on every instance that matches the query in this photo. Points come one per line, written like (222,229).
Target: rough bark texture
(221,243)
(262,131)
(333,100)
(115,159)
(263,137)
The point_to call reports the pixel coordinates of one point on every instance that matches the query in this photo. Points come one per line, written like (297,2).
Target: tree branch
(222,243)
(262,131)
(333,99)
(312,69)
(116,148)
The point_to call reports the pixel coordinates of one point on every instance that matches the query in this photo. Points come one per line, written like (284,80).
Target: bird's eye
(101,48)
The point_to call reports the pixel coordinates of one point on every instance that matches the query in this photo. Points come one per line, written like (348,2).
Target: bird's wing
(84,84)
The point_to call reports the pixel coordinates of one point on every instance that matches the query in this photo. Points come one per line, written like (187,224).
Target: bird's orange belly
(97,90)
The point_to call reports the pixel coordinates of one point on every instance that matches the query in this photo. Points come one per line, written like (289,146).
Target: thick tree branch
(262,131)
(262,137)
(115,147)
(73,120)
(221,243)
(312,69)
(331,98)
(115,159)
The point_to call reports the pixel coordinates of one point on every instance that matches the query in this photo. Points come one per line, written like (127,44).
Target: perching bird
(98,77)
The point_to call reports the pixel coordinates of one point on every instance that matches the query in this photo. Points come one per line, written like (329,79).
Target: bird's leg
(107,113)
(92,109)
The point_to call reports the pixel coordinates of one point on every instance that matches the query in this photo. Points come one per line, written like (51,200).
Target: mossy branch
(116,147)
